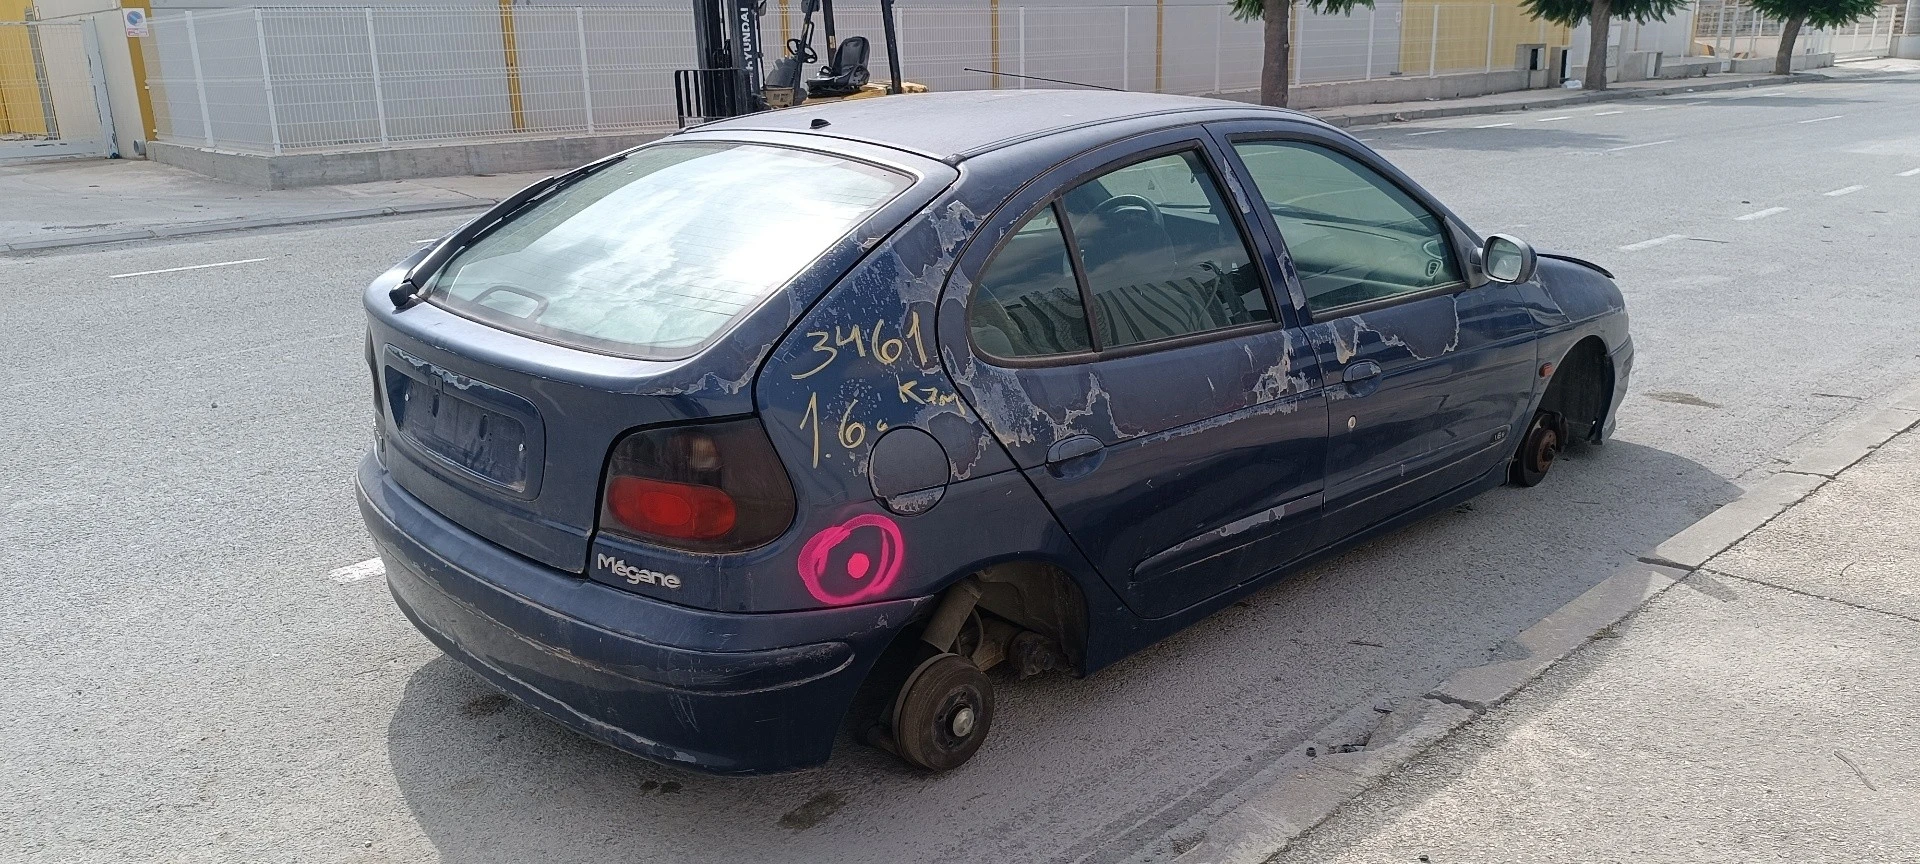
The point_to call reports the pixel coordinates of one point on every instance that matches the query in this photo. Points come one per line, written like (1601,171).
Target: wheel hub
(961,724)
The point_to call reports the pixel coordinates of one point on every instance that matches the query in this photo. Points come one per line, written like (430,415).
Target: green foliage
(1569,13)
(1819,13)
(1254,10)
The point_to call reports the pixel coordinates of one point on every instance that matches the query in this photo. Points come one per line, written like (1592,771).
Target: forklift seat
(848,72)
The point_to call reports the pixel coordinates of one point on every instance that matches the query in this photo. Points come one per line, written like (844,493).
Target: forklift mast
(732,79)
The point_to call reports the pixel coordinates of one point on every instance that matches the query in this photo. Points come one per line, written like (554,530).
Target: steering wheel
(1123,203)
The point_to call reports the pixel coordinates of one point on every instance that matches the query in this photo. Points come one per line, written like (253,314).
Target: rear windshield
(654,255)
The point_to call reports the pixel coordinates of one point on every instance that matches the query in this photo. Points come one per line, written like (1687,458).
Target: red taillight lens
(680,510)
(715,487)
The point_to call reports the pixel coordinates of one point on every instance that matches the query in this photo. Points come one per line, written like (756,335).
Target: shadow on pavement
(1094,769)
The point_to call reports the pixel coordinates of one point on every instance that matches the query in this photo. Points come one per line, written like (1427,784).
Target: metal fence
(1734,30)
(288,79)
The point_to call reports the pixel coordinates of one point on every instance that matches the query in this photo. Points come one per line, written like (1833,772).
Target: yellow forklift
(731,81)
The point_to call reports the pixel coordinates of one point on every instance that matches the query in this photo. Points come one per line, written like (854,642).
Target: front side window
(654,255)
(1162,255)
(1353,235)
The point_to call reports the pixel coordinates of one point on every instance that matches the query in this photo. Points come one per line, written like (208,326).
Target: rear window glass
(654,255)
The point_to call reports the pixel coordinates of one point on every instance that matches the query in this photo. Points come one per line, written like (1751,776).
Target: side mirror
(1508,259)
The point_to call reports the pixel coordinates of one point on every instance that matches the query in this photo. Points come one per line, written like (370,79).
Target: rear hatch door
(643,291)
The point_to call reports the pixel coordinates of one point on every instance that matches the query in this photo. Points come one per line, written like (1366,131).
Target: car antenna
(1038,78)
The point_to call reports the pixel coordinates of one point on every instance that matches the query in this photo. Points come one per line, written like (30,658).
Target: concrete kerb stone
(196,228)
(1558,100)
(1854,444)
(1272,817)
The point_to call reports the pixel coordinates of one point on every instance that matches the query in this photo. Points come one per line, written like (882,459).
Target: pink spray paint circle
(868,570)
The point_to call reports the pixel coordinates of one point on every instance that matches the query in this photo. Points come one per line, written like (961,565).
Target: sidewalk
(82,203)
(54,204)
(1763,708)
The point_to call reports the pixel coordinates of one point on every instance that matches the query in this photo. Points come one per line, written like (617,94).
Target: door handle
(1362,377)
(1075,457)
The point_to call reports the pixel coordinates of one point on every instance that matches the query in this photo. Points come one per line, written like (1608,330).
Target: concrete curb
(1273,816)
(1568,99)
(167,232)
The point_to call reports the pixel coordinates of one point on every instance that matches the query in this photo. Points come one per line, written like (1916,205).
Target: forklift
(731,81)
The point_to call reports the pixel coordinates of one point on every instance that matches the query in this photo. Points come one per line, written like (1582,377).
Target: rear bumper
(725,693)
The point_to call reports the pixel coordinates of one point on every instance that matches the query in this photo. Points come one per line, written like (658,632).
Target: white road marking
(355,572)
(1638,146)
(1605,113)
(1911,173)
(1551,119)
(1649,244)
(1760,214)
(194,267)
(428,240)
(1656,107)
(1820,119)
(1428,132)
(1493,125)
(1845,190)
(1366,139)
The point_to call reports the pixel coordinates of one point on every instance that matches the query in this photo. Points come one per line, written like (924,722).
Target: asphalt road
(191,678)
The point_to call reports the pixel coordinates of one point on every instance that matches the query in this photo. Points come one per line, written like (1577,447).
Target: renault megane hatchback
(675,447)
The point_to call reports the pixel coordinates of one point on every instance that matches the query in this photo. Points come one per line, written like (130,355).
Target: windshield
(654,255)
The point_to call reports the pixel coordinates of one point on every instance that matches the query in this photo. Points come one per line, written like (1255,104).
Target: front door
(1427,364)
(1125,345)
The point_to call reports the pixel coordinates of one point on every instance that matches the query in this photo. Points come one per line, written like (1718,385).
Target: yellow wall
(20,109)
(1462,42)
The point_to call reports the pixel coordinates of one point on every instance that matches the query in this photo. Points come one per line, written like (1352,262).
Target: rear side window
(1027,303)
(1162,254)
(1159,257)
(655,255)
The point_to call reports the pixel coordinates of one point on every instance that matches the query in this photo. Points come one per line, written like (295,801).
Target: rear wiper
(407,294)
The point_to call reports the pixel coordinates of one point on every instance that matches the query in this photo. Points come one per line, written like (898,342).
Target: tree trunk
(1783,62)
(1600,24)
(1276,63)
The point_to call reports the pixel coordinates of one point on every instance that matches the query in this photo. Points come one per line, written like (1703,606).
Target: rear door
(1123,341)
(1428,364)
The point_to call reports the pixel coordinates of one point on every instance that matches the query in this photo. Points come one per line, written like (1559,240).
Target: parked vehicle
(675,447)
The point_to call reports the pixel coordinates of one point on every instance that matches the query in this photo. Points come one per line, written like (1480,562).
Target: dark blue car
(676,448)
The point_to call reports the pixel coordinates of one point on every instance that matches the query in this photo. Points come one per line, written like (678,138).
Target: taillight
(715,487)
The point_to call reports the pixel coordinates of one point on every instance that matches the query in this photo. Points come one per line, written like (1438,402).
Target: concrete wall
(365,166)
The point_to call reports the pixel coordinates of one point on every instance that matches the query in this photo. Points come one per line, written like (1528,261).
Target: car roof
(955,125)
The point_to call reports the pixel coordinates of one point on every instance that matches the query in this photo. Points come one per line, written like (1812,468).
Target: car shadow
(1094,769)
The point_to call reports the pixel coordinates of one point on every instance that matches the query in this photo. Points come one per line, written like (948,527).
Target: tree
(1275,65)
(1600,14)
(1820,13)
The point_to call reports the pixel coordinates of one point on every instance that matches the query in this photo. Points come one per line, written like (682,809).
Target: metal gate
(53,92)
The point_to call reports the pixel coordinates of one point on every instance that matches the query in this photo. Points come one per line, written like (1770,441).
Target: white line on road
(428,240)
(1638,146)
(1845,190)
(1428,132)
(1605,113)
(1760,214)
(1656,107)
(1820,119)
(194,267)
(1911,173)
(355,572)
(1551,119)
(1649,244)
(1493,125)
